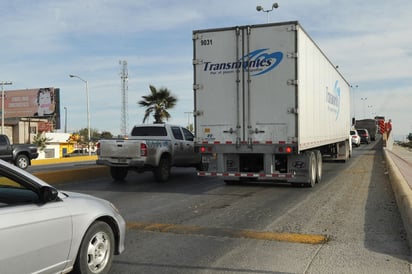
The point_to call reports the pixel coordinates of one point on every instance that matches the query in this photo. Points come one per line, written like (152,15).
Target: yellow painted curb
(227,232)
(50,161)
(70,175)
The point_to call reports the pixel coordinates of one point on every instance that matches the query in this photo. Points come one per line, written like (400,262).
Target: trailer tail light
(285,149)
(143,150)
(205,149)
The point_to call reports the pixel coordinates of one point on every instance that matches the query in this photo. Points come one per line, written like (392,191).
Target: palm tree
(157,102)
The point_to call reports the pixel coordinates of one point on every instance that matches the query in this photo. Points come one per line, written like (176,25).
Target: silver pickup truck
(156,147)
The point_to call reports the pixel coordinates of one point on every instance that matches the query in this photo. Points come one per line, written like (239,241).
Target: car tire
(162,171)
(118,173)
(96,250)
(22,161)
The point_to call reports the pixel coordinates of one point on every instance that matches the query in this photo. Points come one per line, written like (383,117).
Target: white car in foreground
(43,230)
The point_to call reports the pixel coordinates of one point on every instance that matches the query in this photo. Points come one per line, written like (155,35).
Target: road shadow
(384,230)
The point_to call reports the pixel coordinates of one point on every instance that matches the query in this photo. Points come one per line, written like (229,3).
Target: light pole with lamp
(65,119)
(88,110)
(2,104)
(260,8)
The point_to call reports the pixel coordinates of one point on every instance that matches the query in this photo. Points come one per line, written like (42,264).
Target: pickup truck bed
(155,148)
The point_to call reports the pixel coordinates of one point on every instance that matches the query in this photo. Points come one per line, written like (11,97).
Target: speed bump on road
(228,232)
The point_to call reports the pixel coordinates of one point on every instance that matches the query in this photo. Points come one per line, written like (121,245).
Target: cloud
(45,41)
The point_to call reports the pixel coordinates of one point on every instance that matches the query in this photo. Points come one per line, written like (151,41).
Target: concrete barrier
(51,161)
(70,175)
(403,194)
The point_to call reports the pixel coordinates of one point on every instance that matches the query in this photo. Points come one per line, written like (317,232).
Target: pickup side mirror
(48,194)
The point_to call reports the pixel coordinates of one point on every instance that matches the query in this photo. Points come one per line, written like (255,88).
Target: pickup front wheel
(162,172)
(22,161)
(118,173)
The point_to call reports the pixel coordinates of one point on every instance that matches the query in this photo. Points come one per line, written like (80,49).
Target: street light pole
(88,110)
(65,119)
(2,104)
(260,8)
(188,118)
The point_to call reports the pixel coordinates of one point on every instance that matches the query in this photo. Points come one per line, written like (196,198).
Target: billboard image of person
(45,102)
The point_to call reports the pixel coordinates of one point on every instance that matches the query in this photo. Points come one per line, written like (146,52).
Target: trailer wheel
(118,173)
(162,172)
(318,166)
(312,170)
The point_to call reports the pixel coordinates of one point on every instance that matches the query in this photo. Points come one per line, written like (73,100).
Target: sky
(43,42)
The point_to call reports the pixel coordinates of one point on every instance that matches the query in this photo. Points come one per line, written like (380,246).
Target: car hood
(76,203)
(80,198)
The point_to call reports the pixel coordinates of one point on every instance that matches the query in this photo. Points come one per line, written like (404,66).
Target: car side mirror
(48,194)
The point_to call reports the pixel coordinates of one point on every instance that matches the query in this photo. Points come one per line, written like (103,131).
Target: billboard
(33,103)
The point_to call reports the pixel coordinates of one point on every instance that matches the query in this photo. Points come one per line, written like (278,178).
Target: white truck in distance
(269,105)
(156,147)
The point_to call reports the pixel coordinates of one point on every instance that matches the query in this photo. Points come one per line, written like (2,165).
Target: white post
(2,104)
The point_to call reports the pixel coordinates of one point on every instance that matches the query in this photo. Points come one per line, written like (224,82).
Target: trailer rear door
(244,83)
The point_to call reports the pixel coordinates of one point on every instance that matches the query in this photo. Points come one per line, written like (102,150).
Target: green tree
(158,102)
(106,135)
(409,137)
(190,127)
(84,135)
(40,140)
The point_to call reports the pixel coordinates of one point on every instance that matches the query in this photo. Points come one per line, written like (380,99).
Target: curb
(50,161)
(403,194)
(70,175)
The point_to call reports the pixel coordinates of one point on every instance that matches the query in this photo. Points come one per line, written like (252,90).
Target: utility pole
(124,76)
(2,103)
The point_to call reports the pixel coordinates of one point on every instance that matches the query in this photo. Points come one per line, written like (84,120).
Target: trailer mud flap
(299,165)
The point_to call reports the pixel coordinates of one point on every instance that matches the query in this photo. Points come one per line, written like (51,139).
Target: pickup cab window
(3,140)
(188,135)
(177,133)
(149,131)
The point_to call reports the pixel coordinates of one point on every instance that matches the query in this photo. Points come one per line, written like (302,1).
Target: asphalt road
(201,225)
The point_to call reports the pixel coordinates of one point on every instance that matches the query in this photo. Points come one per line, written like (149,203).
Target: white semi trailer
(268,104)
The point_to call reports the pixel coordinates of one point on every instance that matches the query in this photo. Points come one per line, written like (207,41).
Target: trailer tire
(162,171)
(319,166)
(118,173)
(312,168)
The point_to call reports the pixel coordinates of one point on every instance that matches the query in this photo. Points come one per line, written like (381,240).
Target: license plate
(206,159)
(122,160)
